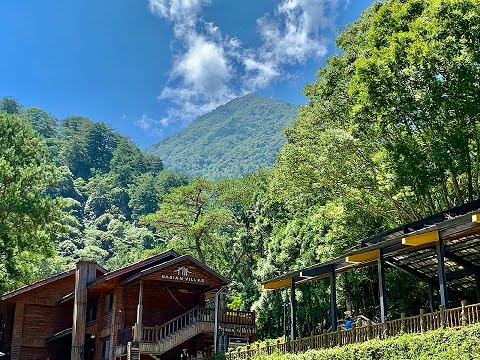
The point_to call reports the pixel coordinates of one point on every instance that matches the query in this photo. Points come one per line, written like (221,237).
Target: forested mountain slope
(234,139)
(102,182)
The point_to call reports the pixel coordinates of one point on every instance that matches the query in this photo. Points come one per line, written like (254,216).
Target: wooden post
(138,324)
(324,338)
(369,330)
(403,323)
(382,288)
(293,311)
(117,316)
(354,333)
(18,323)
(85,274)
(442,316)
(312,340)
(430,296)
(442,277)
(477,287)
(422,320)
(464,320)
(333,300)
(339,336)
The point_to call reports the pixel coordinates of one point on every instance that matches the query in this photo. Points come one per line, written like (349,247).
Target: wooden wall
(37,316)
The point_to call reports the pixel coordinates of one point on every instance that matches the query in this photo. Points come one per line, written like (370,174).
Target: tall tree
(28,216)
(190,217)
(416,88)
(42,122)
(10,105)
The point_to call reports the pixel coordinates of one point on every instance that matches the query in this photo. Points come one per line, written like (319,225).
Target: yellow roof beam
(476,218)
(277,284)
(421,239)
(362,257)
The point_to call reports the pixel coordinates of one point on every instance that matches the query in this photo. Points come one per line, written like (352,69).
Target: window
(106,349)
(92,310)
(108,303)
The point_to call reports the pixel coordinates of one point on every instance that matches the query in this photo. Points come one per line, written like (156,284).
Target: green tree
(416,89)
(28,216)
(190,218)
(41,121)
(144,197)
(86,147)
(10,105)
(166,180)
(127,162)
(105,195)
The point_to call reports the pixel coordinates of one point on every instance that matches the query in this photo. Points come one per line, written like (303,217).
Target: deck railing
(238,317)
(456,317)
(158,333)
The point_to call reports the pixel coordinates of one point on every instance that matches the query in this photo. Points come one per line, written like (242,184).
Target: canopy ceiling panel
(412,248)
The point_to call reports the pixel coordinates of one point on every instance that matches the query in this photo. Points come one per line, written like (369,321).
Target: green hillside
(232,140)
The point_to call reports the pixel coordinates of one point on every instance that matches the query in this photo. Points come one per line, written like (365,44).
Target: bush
(443,344)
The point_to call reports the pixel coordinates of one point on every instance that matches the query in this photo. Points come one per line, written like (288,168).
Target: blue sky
(149,67)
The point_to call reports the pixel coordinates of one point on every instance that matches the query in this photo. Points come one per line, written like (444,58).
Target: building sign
(183,274)
(182,271)
(238,329)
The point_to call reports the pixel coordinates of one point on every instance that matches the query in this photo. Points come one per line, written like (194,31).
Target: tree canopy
(28,214)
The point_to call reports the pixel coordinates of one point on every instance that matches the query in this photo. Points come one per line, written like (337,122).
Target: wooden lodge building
(152,309)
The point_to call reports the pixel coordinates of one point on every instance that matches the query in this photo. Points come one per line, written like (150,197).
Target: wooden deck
(157,340)
(452,318)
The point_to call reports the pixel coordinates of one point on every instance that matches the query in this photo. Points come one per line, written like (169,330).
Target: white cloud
(259,73)
(175,10)
(150,126)
(211,68)
(204,67)
(145,123)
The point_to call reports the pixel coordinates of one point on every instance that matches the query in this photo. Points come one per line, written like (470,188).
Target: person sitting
(184,355)
(348,323)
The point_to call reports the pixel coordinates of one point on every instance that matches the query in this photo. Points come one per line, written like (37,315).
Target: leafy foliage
(441,344)
(28,215)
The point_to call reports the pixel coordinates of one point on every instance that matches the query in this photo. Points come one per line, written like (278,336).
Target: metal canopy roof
(411,248)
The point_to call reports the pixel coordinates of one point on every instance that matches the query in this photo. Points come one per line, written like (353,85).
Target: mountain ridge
(234,139)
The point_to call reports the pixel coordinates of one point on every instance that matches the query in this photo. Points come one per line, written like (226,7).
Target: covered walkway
(443,250)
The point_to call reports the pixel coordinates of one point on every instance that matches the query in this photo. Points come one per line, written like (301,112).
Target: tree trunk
(456,187)
(199,250)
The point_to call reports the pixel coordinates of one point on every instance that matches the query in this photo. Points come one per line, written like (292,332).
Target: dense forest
(233,140)
(390,134)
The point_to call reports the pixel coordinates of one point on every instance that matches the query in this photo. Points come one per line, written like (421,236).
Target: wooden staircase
(176,339)
(158,340)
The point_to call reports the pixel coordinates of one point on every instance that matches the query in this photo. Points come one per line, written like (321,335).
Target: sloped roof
(459,227)
(138,266)
(44,282)
(177,260)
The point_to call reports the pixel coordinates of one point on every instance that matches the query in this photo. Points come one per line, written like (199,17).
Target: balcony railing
(197,314)
(158,333)
(238,317)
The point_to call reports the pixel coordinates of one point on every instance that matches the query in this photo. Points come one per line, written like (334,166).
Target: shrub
(443,344)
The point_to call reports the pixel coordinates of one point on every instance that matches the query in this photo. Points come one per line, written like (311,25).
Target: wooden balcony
(161,338)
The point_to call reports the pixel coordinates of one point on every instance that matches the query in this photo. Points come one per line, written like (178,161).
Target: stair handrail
(159,332)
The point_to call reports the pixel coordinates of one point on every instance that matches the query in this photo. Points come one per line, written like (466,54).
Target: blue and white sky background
(149,67)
